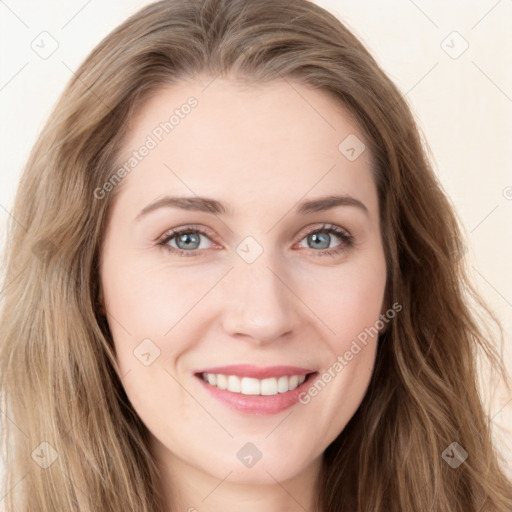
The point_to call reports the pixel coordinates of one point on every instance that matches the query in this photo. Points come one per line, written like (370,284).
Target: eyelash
(347,240)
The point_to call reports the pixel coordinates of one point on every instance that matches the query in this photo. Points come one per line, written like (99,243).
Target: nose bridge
(257,302)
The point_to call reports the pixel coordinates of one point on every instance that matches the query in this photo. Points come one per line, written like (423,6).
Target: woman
(176,336)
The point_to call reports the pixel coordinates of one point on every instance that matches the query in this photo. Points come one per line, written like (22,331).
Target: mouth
(256,391)
(253,386)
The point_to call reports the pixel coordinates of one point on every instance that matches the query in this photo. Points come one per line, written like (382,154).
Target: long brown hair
(73,442)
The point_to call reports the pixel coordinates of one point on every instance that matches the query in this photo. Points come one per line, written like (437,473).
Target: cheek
(150,309)
(348,300)
(150,300)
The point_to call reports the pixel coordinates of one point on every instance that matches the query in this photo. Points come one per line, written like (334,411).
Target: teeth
(250,386)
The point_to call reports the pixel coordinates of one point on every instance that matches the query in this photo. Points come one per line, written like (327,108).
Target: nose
(259,303)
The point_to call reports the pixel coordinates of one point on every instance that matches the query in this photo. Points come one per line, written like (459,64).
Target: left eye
(187,241)
(321,238)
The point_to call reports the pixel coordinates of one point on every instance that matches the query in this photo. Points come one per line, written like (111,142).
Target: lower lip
(259,404)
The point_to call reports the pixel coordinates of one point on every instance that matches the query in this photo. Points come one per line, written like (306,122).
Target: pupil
(187,239)
(317,238)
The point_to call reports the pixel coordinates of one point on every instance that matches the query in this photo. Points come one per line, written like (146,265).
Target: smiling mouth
(252,386)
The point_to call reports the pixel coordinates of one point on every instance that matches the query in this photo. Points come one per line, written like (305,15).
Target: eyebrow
(205,204)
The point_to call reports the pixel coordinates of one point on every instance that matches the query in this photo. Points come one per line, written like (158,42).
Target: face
(264,278)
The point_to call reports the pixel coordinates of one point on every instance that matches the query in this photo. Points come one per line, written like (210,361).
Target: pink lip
(257,372)
(258,404)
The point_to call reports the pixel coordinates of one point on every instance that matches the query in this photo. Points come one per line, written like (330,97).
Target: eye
(187,241)
(320,238)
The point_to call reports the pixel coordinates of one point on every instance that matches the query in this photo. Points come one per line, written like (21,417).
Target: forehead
(276,141)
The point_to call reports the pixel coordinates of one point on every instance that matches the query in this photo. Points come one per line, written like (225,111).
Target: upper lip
(257,372)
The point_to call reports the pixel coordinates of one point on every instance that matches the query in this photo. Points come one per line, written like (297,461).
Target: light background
(462,100)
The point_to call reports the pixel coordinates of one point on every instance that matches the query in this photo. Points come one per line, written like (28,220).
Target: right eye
(187,241)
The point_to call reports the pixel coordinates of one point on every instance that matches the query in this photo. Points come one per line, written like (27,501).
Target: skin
(261,150)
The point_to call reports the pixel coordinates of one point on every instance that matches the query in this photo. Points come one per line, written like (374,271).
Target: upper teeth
(250,386)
